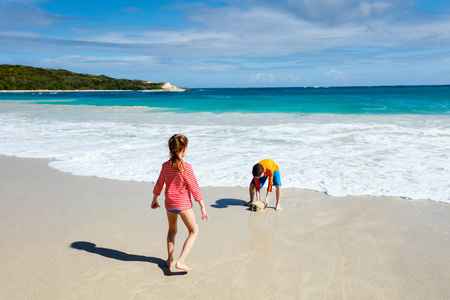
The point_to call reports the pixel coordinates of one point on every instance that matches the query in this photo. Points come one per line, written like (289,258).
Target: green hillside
(16,77)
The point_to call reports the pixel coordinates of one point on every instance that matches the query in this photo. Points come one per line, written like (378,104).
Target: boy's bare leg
(252,193)
(278,194)
(172,218)
(189,220)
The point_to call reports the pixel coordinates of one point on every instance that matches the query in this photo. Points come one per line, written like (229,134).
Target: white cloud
(20,34)
(292,79)
(262,78)
(22,1)
(102,60)
(25,14)
(259,32)
(334,74)
(344,11)
(271,39)
(134,63)
(224,32)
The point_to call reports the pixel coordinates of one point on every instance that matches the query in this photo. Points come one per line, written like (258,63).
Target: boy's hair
(176,144)
(258,169)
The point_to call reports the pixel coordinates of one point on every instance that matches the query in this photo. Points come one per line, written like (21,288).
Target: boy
(261,171)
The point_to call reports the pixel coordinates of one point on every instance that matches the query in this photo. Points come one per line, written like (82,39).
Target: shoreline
(52,159)
(69,237)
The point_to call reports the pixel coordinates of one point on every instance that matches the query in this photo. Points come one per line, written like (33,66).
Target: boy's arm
(257,184)
(267,197)
(257,194)
(269,186)
(203,209)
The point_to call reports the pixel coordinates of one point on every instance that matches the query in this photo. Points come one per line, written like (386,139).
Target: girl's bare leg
(189,220)
(172,218)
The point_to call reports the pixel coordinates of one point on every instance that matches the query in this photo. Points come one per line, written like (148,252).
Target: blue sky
(234,43)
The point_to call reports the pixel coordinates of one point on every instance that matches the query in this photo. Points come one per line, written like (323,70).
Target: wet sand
(78,237)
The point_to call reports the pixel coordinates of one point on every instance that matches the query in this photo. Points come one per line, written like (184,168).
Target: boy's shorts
(276,179)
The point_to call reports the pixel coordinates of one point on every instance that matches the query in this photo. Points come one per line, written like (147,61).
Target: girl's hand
(204,214)
(155,204)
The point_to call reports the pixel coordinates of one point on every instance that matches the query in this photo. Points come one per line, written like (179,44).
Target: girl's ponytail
(177,143)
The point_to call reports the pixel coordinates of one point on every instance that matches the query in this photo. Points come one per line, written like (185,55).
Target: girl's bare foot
(182,266)
(169,262)
(278,208)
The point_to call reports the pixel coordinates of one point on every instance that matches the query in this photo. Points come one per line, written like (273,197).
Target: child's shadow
(224,203)
(114,254)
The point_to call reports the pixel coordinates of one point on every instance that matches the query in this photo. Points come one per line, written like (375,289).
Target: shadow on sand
(114,254)
(226,202)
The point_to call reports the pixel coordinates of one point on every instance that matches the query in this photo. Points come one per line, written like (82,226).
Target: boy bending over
(261,171)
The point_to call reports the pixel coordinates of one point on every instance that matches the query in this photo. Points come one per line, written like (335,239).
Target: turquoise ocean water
(340,100)
(391,141)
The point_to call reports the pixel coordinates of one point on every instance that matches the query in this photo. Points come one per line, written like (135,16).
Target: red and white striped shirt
(179,186)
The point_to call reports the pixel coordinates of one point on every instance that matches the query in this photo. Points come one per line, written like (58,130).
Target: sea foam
(391,155)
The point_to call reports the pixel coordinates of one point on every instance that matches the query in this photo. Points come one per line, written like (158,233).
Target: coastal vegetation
(17,77)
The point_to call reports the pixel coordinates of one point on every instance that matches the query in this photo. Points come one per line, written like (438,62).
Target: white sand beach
(78,237)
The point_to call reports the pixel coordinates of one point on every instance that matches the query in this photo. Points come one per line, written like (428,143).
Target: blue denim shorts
(276,179)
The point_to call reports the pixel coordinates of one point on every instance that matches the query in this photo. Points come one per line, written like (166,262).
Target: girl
(180,183)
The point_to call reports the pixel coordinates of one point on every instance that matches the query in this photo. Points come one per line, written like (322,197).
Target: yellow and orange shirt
(269,167)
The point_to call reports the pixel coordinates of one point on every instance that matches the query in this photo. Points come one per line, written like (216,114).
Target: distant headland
(24,78)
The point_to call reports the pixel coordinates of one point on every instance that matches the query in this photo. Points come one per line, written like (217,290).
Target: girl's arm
(192,183)
(158,187)
(203,209)
(155,203)
(160,182)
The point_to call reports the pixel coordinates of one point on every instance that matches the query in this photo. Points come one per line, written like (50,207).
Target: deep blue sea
(392,141)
